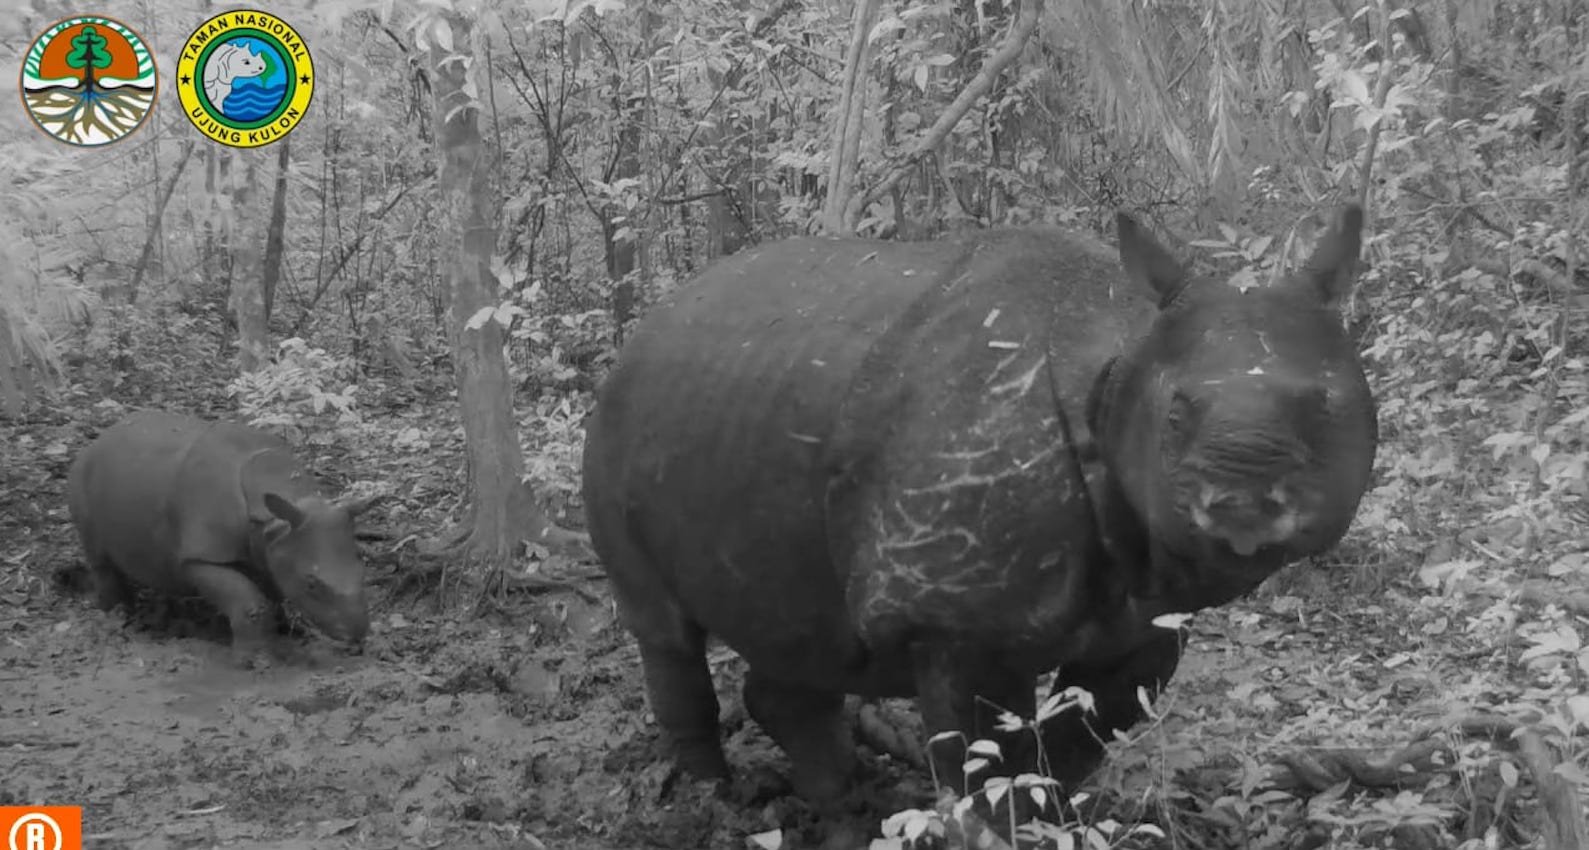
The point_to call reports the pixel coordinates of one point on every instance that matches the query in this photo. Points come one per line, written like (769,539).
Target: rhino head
(1240,430)
(311,554)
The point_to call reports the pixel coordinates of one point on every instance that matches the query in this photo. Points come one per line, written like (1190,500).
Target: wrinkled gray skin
(224,511)
(941,469)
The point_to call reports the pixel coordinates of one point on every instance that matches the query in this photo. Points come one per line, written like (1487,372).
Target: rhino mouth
(344,639)
(348,637)
(348,632)
(1245,545)
(1244,520)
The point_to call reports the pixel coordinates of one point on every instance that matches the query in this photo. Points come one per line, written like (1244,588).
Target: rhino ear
(1332,268)
(284,510)
(1146,261)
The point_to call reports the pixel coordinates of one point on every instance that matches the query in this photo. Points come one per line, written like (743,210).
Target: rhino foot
(110,586)
(255,657)
(809,725)
(685,703)
(250,614)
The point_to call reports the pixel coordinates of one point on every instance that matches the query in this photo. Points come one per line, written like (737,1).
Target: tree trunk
(851,119)
(469,210)
(630,108)
(14,385)
(274,233)
(725,228)
(212,266)
(739,206)
(725,224)
(247,297)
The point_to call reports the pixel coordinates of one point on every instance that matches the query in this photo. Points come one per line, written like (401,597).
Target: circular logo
(36,824)
(245,78)
(88,81)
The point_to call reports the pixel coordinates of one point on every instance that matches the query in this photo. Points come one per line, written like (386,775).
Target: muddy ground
(444,734)
(514,723)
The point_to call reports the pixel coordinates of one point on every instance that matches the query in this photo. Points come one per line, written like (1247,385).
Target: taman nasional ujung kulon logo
(245,78)
(88,81)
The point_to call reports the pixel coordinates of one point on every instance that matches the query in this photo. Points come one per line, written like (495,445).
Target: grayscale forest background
(423,284)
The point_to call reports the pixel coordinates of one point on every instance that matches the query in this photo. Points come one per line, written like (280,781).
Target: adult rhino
(941,469)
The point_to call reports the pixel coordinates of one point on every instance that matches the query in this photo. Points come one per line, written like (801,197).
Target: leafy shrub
(292,390)
(556,431)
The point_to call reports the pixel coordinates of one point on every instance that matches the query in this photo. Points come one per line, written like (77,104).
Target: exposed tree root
(539,530)
(1312,772)
(1316,771)
(462,546)
(1564,827)
(1543,593)
(568,579)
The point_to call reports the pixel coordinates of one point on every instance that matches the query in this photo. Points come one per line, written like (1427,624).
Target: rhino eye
(1181,407)
(1317,399)
(1180,421)
(1309,408)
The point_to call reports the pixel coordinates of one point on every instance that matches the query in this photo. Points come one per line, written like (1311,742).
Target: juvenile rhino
(220,510)
(941,469)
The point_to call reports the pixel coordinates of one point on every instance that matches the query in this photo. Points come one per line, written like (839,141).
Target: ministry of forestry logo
(245,78)
(88,81)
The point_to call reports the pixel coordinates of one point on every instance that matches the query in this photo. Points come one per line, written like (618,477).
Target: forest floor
(519,721)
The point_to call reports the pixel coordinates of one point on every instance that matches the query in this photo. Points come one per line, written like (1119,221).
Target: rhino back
(121,487)
(766,425)
(706,449)
(962,507)
(159,488)
(221,486)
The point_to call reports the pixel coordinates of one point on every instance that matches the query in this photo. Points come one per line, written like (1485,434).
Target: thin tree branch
(1025,24)
(159,218)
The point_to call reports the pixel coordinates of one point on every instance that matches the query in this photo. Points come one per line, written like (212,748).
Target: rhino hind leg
(807,724)
(672,648)
(248,611)
(1075,742)
(685,700)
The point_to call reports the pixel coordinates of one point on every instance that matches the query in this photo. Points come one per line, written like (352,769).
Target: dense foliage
(632,141)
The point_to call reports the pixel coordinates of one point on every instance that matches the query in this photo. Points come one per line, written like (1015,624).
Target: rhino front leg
(251,615)
(809,726)
(1075,741)
(963,690)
